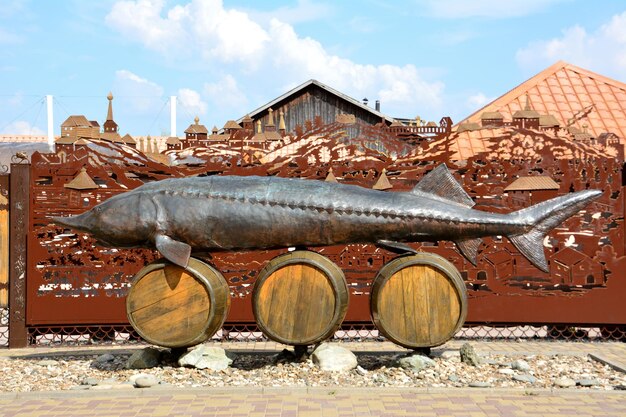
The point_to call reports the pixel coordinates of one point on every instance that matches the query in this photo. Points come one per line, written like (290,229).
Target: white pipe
(173,116)
(50,123)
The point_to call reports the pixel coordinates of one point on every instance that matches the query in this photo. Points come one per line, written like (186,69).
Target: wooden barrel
(419,300)
(300,298)
(176,307)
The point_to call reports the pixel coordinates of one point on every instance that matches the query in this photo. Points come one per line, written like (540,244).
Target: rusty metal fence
(250,333)
(64,289)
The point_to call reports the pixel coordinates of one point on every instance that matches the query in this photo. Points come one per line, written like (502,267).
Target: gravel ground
(109,371)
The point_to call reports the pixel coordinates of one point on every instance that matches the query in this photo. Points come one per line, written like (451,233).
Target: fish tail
(543,217)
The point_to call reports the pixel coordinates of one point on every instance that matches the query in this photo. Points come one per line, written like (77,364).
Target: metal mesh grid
(114,335)
(4,327)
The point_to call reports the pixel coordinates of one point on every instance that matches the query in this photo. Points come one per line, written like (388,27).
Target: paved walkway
(238,402)
(339,402)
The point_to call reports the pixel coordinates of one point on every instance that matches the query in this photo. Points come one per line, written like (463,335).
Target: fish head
(121,221)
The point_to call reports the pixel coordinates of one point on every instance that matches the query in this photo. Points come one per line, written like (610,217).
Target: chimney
(377,105)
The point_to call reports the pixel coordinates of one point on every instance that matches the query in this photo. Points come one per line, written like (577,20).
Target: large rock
(145,358)
(415,362)
(468,355)
(333,358)
(206,357)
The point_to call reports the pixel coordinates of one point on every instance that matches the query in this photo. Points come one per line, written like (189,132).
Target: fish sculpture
(182,215)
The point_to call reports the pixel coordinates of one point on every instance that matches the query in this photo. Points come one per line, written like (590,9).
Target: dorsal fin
(441,183)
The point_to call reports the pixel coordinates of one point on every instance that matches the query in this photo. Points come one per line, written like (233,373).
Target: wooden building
(307,102)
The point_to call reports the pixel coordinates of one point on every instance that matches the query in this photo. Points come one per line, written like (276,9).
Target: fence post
(4,241)
(19,199)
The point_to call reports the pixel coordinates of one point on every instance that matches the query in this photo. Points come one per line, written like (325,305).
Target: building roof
(534,183)
(306,84)
(231,124)
(111,137)
(383,182)
(572,95)
(197,128)
(128,139)
(76,120)
(547,120)
(491,115)
(172,140)
(82,181)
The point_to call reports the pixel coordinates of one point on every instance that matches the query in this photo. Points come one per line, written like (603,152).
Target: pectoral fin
(173,250)
(469,248)
(397,247)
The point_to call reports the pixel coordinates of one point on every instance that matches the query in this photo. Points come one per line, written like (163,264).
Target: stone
(90,381)
(79,387)
(525,378)
(144,359)
(453,378)
(361,371)
(333,358)
(48,362)
(206,357)
(479,384)
(468,355)
(506,371)
(415,362)
(448,354)
(107,357)
(134,377)
(587,382)
(564,382)
(521,365)
(146,381)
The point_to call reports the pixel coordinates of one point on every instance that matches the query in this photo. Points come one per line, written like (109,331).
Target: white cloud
(478,100)
(302,11)
(459,9)
(225,93)
(143,95)
(602,50)
(274,53)
(21,127)
(191,101)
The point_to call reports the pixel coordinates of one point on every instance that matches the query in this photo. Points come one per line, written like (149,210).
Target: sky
(223,59)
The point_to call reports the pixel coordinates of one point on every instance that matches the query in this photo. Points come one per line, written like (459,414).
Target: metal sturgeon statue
(178,216)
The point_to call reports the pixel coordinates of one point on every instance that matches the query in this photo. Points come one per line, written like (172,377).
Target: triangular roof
(197,128)
(534,183)
(82,181)
(76,120)
(568,93)
(128,139)
(383,182)
(323,86)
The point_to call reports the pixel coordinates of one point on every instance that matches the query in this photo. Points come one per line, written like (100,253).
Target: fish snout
(79,222)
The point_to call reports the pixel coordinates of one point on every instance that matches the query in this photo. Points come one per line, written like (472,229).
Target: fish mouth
(78,222)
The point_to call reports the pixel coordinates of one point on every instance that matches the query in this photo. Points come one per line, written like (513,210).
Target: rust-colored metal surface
(4,241)
(71,280)
(19,206)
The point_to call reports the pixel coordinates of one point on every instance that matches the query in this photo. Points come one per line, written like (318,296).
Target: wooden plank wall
(4,242)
